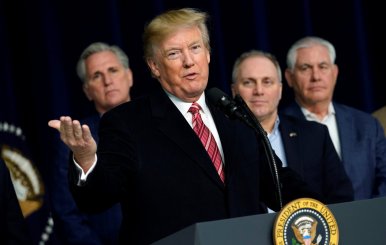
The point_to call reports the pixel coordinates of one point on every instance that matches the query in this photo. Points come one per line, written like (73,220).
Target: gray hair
(307,42)
(97,48)
(254,53)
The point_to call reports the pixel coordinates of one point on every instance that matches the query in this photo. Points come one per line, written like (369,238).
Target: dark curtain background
(41,41)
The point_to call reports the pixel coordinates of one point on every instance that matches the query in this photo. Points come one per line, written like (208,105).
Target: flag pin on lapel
(293,134)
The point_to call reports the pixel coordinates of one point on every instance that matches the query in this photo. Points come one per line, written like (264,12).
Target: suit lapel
(173,125)
(226,141)
(345,129)
(290,136)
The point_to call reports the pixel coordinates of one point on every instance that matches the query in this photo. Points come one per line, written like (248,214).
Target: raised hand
(78,138)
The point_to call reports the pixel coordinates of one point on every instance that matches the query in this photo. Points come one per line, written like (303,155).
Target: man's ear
(153,67)
(233,90)
(130,77)
(86,92)
(336,71)
(281,90)
(288,76)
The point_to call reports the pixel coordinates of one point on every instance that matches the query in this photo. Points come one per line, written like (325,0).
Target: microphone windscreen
(215,96)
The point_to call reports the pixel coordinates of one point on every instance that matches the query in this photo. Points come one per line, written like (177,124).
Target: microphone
(233,109)
(238,109)
(225,104)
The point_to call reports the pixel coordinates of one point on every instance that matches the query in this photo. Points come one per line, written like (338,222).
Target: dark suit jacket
(150,159)
(310,152)
(13,228)
(363,148)
(71,225)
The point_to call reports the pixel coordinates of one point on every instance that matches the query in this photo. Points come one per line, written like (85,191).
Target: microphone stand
(250,119)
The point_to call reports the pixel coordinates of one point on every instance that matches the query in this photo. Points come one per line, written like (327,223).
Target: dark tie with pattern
(207,139)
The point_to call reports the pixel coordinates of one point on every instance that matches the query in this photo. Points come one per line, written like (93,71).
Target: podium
(359,222)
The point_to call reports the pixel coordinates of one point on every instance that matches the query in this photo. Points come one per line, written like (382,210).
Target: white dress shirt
(330,121)
(277,142)
(206,116)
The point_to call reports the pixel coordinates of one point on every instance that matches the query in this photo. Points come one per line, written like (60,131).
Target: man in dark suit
(13,228)
(303,146)
(107,78)
(151,160)
(357,136)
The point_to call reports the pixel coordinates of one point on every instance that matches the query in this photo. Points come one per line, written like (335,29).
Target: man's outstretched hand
(78,138)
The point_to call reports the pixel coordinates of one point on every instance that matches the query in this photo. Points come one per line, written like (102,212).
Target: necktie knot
(194,108)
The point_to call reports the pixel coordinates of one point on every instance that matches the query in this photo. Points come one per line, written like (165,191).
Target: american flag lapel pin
(293,134)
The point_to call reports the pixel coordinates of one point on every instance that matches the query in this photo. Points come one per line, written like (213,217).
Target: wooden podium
(359,222)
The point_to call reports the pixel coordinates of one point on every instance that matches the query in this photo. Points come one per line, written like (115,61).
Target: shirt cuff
(82,175)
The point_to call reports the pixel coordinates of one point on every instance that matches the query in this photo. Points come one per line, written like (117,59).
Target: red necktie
(207,139)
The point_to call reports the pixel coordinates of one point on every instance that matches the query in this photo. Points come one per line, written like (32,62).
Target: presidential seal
(25,176)
(305,221)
